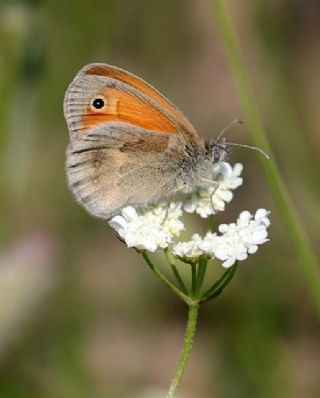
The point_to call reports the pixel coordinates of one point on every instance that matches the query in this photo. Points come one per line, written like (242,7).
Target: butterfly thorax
(193,166)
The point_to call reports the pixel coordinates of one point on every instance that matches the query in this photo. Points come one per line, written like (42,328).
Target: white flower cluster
(210,200)
(234,243)
(149,228)
(157,226)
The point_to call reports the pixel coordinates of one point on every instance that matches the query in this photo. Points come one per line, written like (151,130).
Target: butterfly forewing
(126,140)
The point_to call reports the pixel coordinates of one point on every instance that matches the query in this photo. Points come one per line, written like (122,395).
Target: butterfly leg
(215,185)
(168,207)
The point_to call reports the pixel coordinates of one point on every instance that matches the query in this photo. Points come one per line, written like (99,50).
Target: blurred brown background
(80,314)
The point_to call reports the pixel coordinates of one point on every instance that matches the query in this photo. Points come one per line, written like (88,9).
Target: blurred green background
(80,314)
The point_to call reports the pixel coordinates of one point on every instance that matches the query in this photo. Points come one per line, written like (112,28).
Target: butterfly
(129,145)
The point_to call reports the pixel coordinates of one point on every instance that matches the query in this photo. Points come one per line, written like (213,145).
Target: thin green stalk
(217,287)
(193,279)
(186,349)
(217,283)
(300,243)
(163,279)
(175,271)
(202,268)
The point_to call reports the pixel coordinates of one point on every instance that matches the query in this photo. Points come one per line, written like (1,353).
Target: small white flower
(212,199)
(190,249)
(226,248)
(238,240)
(149,228)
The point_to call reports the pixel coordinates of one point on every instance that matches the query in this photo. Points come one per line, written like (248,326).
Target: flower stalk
(175,271)
(186,349)
(166,281)
(202,269)
(217,288)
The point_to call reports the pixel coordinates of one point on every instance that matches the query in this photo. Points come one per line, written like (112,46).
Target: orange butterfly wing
(128,99)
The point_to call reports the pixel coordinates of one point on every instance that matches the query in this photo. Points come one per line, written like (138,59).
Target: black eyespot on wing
(98,103)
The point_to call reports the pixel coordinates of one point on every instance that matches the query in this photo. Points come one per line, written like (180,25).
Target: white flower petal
(149,245)
(261,213)
(238,168)
(252,249)
(245,215)
(130,213)
(221,253)
(130,239)
(117,222)
(223,228)
(259,235)
(228,263)
(241,256)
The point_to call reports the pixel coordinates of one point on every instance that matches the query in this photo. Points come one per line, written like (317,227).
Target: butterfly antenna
(235,121)
(264,153)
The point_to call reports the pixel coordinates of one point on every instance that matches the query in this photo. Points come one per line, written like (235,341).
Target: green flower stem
(281,196)
(193,279)
(217,288)
(186,349)
(211,223)
(175,271)
(202,268)
(217,283)
(163,279)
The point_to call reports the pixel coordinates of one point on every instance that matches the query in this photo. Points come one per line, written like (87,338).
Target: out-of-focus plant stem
(295,231)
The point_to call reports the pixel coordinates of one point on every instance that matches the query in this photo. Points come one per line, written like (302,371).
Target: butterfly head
(219,150)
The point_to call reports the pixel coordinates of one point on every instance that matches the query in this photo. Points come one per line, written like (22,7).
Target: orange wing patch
(123,107)
(134,81)
(141,85)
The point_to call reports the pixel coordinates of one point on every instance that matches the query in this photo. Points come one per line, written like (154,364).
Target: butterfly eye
(98,103)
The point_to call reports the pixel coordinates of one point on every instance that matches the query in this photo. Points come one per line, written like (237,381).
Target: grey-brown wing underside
(117,165)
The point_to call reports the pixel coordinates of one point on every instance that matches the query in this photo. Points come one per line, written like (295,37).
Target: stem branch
(202,268)
(175,271)
(163,279)
(218,286)
(193,279)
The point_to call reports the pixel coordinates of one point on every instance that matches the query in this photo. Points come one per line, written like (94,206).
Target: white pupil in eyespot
(98,103)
